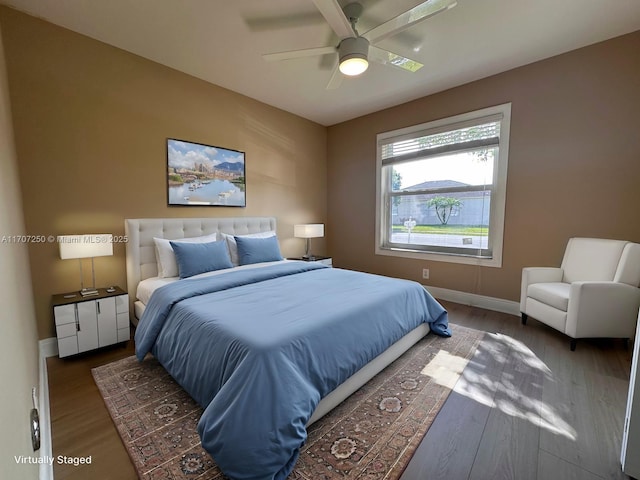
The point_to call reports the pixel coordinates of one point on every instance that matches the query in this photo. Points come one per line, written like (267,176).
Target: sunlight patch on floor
(521,352)
(502,393)
(445,368)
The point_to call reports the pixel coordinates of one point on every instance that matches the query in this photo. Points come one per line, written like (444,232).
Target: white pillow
(233,246)
(166,258)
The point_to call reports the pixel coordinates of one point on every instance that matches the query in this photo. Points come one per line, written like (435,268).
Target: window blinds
(466,136)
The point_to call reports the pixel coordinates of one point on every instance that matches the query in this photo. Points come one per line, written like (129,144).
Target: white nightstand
(328,261)
(87,323)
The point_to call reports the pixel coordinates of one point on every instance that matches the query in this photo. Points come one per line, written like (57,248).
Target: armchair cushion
(555,294)
(591,259)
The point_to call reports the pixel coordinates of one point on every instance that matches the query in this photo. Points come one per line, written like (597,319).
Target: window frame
(498,189)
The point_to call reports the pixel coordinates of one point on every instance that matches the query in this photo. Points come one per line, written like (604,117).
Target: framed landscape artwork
(204,175)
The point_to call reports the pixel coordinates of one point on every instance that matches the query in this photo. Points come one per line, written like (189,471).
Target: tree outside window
(444,206)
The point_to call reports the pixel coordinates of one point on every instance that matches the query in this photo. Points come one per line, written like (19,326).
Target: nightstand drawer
(122,320)
(67,346)
(122,304)
(124,334)
(66,330)
(65,314)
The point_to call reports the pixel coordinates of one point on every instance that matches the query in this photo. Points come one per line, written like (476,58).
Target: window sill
(440,257)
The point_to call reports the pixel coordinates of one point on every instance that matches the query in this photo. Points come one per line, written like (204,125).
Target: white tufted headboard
(141,256)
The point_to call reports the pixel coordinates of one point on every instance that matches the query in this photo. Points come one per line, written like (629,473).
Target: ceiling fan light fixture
(353,55)
(353,66)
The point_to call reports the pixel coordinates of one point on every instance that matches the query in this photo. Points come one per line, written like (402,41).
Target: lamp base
(87,292)
(309,258)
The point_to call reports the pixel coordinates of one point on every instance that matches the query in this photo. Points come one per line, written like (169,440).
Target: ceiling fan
(355,50)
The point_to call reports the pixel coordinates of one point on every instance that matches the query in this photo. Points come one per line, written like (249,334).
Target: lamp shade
(85,246)
(309,230)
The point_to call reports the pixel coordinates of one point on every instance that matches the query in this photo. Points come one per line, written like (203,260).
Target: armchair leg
(574,342)
(524,317)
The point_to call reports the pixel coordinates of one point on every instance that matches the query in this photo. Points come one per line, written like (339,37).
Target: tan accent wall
(18,337)
(91,123)
(574,165)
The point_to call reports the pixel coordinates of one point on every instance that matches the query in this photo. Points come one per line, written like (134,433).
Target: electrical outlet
(425,273)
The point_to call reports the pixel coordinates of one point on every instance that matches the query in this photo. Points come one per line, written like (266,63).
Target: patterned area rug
(371,435)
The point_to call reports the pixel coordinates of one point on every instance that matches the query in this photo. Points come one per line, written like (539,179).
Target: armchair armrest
(537,275)
(604,309)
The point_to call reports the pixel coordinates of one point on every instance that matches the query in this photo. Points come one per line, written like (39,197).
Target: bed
(269,347)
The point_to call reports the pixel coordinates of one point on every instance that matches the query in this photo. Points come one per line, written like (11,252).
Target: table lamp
(86,246)
(309,230)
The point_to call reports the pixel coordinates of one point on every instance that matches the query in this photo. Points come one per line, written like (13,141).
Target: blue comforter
(258,349)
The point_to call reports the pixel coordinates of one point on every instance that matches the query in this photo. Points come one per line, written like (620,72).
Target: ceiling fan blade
(260,24)
(308,52)
(335,80)
(389,58)
(333,14)
(407,19)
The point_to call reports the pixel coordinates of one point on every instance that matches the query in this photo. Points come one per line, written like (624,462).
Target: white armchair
(594,293)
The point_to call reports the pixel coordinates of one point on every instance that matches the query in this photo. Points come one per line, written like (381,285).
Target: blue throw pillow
(256,250)
(195,258)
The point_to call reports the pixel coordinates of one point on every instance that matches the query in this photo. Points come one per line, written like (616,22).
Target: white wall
(18,337)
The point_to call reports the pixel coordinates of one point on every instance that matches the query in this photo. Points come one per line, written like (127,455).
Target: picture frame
(204,175)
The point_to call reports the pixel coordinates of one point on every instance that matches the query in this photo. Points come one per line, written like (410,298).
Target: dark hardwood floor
(525,407)
(80,423)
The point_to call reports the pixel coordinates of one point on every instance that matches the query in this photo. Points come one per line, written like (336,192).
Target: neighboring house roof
(435,184)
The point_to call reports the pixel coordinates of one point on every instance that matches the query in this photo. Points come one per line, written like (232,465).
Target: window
(441,188)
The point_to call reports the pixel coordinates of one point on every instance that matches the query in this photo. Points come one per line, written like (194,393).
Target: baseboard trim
(474,300)
(47,348)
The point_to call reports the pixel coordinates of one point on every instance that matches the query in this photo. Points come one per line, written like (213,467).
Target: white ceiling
(221,41)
